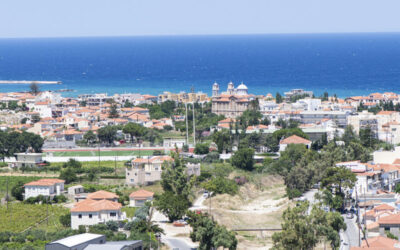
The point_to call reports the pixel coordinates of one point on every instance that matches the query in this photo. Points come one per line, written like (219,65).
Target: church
(231,103)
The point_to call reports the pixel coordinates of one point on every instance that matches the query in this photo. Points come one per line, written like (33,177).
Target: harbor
(29,82)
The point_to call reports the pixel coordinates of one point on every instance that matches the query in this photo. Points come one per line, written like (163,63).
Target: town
(187,170)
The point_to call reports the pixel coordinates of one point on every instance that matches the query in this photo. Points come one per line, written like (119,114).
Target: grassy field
(102,153)
(130,211)
(12,181)
(22,216)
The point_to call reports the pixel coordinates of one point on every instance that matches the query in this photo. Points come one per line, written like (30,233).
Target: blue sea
(345,64)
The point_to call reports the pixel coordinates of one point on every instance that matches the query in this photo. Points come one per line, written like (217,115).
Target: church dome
(242,87)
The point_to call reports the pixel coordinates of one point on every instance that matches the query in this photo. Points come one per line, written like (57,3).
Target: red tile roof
(101,194)
(294,139)
(89,205)
(141,194)
(44,182)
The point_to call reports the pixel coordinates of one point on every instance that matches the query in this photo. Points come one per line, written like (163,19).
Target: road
(348,238)
(351,235)
(176,243)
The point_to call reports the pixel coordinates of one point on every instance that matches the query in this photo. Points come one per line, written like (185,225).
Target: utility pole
(187,126)
(7,192)
(194,128)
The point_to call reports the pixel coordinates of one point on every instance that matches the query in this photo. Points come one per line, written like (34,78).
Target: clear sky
(64,18)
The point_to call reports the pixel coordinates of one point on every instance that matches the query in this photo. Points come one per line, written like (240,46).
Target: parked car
(350,215)
(206,194)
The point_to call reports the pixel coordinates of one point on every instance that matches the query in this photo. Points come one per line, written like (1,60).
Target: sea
(341,64)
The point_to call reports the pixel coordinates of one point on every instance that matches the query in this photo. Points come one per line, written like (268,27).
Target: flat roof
(77,239)
(112,245)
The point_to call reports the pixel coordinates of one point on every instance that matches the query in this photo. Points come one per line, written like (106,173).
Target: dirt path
(29,174)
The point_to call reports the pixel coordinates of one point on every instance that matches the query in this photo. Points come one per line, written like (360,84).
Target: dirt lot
(256,206)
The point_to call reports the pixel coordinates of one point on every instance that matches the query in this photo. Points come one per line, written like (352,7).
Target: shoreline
(29,82)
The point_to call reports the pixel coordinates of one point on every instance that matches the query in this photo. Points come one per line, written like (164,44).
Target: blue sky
(65,18)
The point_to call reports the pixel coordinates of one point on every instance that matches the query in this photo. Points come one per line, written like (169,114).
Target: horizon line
(194,35)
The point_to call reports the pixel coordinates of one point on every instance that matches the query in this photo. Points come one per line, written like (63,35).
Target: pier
(29,82)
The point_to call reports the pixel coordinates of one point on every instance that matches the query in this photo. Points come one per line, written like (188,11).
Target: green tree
(222,139)
(209,234)
(89,137)
(201,149)
(278,98)
(244,159)
(65,220)
(134,130)
(176,185)
(221,185)
(172,205)
(34,87)
(301,230)
(367,137)
(113,111)
(68,175)
(107,134)
(17,191)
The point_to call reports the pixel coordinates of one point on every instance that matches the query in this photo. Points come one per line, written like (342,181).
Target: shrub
(221,185)
(65,220)
(201,149)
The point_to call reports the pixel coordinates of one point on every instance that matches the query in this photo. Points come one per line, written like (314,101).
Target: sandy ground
(253,208)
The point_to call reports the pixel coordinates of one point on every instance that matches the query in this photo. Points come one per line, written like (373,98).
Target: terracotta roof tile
(294,139)
(141,194)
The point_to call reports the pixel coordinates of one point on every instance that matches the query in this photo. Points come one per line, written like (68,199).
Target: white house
(294,139)
(28,159)
(43,108)
(45,187)
(91,212)
(138,198)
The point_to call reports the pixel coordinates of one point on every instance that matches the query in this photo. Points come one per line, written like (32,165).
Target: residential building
(145,171)
(28,159)
(390,223)
(339,117)
(138,198)
(193,169)
(91,212)
(294,139)
(45,187)
(103,195)
(183,97)
(386,157)
(378,243)
(169,143)
(297,92)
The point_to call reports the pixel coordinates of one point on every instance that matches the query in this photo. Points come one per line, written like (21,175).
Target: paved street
(176,243)
(352,232)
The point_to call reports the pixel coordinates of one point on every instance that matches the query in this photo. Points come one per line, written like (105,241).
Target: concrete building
(339,117)
(28,159)
(45,187)
(145,171)
(173,142)
(89,241)
(297,92)
(76,242)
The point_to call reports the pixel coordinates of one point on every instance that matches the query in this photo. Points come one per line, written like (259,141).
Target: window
(90,216)
(79,216)
(132,180)
(128,173)
(113,214)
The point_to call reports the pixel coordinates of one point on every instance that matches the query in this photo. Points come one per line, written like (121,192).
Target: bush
(112,225)
(201,149)
(244,159)
(157,152)
(212,157)
(59,199)
(220,185)
(65,220)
